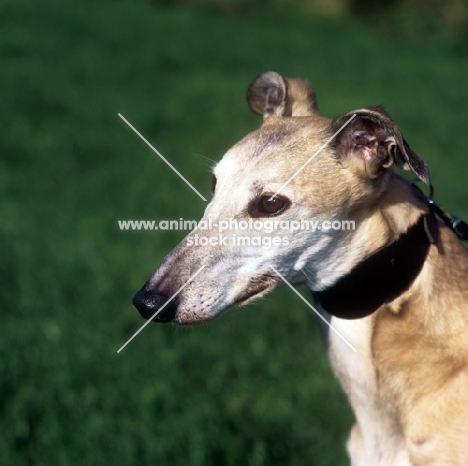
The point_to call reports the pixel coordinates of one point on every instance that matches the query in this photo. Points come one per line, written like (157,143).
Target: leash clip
(456,224)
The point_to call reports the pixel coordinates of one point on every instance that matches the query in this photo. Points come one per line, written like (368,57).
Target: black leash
(456,224)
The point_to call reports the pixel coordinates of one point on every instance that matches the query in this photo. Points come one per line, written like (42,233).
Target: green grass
(252,388)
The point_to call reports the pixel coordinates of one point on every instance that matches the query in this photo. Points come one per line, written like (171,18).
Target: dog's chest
(354,369)
(382,436)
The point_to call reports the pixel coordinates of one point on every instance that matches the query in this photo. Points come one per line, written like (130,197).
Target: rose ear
(271,94)
(373,138)
(266,95)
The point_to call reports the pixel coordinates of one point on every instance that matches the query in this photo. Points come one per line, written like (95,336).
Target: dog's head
(274,194)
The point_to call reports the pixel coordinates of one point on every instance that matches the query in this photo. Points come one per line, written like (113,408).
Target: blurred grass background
(254,387)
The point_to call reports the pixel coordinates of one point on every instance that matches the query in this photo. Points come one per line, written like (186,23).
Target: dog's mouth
(243,299)
(148,301)
(258,287)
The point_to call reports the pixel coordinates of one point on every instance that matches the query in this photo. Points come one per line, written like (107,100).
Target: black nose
(149,302)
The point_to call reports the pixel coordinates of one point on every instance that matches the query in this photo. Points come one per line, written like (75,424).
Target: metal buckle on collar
(456,224)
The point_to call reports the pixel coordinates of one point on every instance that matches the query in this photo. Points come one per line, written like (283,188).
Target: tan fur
(408,381)
(419,355)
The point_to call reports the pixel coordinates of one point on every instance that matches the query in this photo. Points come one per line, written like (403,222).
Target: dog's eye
(265,206)
(213,184)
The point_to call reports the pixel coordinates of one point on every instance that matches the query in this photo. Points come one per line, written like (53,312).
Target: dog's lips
(246,297)
(189,317)
(269,284)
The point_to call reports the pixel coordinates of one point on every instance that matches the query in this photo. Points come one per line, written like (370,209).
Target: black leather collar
(384,275)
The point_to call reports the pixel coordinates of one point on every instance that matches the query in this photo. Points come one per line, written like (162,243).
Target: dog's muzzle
(148,302)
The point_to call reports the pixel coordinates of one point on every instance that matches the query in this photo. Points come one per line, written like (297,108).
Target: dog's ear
(271,94)
(374,139)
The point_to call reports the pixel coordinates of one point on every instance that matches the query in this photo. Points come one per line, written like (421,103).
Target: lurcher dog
(395,287)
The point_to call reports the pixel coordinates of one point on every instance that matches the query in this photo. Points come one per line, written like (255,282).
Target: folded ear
(271,94)
(373,138)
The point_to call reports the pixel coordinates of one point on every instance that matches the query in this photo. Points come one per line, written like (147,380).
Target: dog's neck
(381,258)
(384,275)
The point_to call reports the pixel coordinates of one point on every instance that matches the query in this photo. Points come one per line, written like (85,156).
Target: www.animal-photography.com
(299,163)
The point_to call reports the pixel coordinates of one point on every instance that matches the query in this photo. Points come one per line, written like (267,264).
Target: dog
(394,287)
